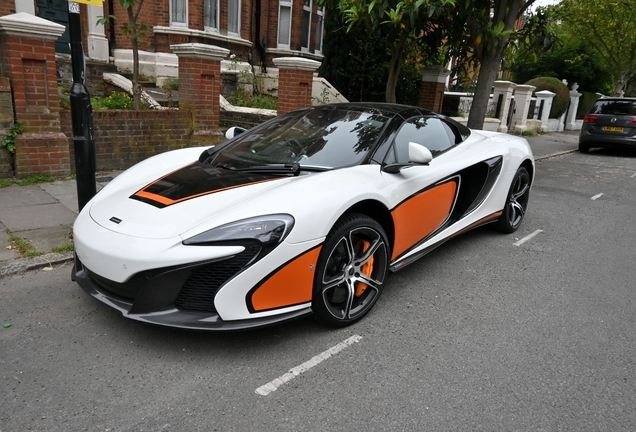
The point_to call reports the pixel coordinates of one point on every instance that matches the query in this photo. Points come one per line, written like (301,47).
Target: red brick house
(255,31)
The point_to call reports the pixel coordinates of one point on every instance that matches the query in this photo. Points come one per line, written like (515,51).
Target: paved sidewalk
(43,214)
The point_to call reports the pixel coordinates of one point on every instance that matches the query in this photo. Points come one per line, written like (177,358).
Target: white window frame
(216,18)
(178,23)
(320,18)
(238,18)
(284,4)
(306,9)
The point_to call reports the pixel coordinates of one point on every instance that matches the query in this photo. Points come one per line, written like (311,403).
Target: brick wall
(123,138)
(242,119)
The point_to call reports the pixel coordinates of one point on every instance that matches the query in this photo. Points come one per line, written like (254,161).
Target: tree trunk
(394,70)
(485,80)
(136,87)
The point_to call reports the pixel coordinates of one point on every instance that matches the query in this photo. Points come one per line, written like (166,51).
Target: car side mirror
(418,155)
(234,131)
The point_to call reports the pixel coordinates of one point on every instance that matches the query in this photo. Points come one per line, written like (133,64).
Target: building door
(56,11)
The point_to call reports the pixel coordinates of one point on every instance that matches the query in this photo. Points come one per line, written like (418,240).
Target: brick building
(255,31)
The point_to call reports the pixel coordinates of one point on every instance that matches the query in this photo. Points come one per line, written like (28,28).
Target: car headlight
(267,231)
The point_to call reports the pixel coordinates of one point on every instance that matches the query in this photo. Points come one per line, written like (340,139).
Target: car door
(422,196)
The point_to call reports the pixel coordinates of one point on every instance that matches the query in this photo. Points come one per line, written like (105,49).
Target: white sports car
(306,213)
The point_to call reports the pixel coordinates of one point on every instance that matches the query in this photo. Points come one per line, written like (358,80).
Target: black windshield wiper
(293,169)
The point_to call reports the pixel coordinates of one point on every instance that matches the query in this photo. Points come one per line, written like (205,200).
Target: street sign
(89,2)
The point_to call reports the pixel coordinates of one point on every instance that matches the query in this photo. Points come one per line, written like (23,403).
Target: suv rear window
(614,107)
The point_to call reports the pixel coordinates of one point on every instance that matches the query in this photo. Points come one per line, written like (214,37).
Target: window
(211,14)
(306,25)
(179,13)
(431,132)
(234,16)
(284,23)
(320,16)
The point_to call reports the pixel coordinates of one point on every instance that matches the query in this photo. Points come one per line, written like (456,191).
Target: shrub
(585,103)
(561,100)
(115,101)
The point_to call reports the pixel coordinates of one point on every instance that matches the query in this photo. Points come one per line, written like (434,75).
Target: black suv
(611,122)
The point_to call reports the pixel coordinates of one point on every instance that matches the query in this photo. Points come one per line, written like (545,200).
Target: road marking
(595,197)
(273,385)
(526,238)
(633,175)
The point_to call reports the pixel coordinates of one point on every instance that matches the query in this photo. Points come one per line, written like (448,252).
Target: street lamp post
(81,114)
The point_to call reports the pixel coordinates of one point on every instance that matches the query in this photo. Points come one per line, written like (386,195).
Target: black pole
(81,114)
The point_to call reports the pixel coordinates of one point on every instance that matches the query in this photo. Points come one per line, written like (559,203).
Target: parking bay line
(273,385)
(597,196)
(526,238)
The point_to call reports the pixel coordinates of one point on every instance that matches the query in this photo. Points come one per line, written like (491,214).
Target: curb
(551,155)
(22,265)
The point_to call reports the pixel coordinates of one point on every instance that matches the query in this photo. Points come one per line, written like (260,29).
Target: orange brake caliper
(367,268)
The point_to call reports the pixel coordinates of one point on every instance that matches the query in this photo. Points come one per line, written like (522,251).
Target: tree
(398,22)
(609,29)
(356,62)
(478,32)
(136,31)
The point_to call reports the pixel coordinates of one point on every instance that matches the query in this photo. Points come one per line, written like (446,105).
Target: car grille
(200,288)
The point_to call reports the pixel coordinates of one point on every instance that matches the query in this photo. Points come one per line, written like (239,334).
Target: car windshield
(614,107)
(316,138)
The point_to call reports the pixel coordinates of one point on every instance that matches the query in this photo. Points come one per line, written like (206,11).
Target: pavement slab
(28,217)
(16,196)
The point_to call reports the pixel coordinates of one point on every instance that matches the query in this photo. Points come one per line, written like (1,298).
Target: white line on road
(273,385)
(633,175)
(526,238)
(595,197)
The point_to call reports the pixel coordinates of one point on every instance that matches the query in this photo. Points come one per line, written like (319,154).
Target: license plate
(612,129)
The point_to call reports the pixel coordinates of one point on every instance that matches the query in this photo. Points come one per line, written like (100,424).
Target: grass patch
(24,247)
(27,181)
(64,248)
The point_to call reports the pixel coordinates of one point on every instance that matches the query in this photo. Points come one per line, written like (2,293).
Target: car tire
(516,202)
(351,271)
(584,148)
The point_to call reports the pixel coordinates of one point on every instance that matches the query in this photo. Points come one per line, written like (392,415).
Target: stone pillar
(295,82)
(97,42)
(432,87)
(523,95)
(200,88)
(505,89)
(28,46)
(570,120)
(546,98)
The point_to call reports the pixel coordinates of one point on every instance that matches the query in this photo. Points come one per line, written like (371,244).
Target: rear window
(614,107)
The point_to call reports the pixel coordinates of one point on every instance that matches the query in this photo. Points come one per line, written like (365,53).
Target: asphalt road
(531,331)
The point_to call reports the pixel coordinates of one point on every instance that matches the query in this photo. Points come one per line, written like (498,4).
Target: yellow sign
(90,2)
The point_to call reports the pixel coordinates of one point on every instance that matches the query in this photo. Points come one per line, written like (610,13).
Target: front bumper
(161,297)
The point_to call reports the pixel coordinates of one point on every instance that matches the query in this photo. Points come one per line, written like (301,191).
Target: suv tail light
(590,119)
(633,120)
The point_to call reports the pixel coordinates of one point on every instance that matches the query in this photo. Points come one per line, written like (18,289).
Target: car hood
(174,203)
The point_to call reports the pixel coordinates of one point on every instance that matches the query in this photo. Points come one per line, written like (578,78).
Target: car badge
(115,219)
(613,120)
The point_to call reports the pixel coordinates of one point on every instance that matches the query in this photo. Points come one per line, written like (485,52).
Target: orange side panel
(290,285)
(420,215)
